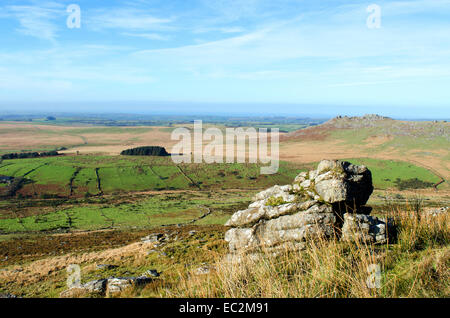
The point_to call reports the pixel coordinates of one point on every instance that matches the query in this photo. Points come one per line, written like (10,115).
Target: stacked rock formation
(326,202)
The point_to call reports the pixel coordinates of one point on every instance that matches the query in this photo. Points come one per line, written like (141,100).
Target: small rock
(117,285)
(151,252)
(110,286)
(8,296)
(106,266)
(203,270)
(152,273)
(95,286)
(436,211)
(152,238)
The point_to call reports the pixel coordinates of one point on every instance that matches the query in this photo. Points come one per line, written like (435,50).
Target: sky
(290,57)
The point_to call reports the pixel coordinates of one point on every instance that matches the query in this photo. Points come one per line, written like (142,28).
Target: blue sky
(253,56)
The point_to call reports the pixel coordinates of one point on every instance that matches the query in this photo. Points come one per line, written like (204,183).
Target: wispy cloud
(224,30)
(284,50)
(126,19)
(310,44)
(148,36)
(36,20)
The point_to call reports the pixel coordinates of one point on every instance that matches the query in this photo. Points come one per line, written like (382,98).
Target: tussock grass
(415,265)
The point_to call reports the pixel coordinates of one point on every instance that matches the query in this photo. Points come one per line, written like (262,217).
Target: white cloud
(327,42)
(301,53)
(224,30)
(148,36)
(36,20)
(127,19)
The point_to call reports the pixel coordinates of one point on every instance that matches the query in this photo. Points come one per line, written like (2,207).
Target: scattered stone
(203,270)
(117,285)
(152,273)
(152,251)
(109,286)
(152,238)
(192,232)
(95,286)
(436,211)
(106,266)
(158,252)
(7,295)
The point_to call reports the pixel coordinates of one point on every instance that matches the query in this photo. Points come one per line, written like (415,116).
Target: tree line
(23,155)
(146,151)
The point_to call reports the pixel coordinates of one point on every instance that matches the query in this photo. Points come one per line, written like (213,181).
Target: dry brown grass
(417,265)
(17,136)
(44,268)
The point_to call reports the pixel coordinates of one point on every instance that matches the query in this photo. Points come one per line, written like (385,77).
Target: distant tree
(50,118)
(146,151)
(49,153)
(24,155)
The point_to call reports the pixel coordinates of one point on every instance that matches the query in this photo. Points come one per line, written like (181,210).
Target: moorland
(91,206)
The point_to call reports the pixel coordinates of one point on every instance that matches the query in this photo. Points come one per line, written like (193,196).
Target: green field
(80,176)
(98,192)
(385,172)
(92,175)
(120,176)
(140,212)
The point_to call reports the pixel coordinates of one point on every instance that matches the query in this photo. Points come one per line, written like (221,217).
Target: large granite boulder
(315,205)
(336,182)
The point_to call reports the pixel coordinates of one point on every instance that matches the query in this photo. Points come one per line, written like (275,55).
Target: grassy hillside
(386,172)
(421,143)
(92,175)
(82,176)
(142,211)
(416,265)
(113,180)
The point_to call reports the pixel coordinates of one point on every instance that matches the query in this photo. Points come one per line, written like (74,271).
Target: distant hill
(378,125)
(424,143)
